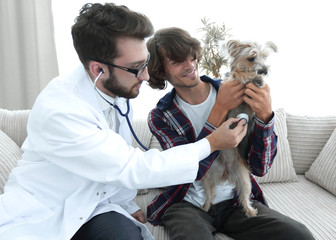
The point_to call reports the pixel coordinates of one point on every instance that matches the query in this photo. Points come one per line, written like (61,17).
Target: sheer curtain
(27,51)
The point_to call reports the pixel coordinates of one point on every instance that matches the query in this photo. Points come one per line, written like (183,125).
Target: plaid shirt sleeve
(173,128)
(263,147)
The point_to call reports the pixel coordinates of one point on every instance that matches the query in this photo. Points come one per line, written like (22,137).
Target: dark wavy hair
(173,43)
(98,27)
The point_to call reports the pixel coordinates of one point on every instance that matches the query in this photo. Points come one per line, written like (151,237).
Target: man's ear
(96,68)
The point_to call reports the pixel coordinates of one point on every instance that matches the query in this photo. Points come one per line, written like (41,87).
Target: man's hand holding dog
(259,100)
(230,95)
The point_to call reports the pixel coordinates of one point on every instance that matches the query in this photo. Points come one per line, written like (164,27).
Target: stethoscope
(120,112)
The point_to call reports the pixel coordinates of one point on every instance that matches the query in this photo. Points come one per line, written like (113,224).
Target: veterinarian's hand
(224,137)
(259,100)
(230,95)
(139,216)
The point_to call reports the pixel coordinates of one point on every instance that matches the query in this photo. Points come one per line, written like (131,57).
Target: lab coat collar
(103,104)
(85,90)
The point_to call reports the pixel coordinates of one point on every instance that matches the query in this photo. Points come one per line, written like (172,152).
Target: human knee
(184,221)
(302,232)
(297,231)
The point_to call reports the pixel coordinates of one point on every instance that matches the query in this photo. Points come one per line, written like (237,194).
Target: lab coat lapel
(85,90)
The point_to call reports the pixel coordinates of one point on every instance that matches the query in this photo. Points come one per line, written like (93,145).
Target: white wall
(302,75)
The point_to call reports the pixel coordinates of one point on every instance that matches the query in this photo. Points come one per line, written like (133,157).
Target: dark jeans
(185,221)
(108,226)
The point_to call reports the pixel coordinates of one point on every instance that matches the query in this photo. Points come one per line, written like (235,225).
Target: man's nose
(145,75)
(189,63)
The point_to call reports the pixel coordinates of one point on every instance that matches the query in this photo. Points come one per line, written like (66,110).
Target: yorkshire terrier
(247,64)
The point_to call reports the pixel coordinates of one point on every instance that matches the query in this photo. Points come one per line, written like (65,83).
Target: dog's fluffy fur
(247,63)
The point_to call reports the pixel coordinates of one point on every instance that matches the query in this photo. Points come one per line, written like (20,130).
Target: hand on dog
(259,100)
(139,216)
(226,138)
(230,95)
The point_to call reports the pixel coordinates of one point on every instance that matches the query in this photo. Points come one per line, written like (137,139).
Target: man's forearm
(217,116)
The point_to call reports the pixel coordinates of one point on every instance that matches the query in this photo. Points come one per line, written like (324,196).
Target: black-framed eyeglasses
(137,72)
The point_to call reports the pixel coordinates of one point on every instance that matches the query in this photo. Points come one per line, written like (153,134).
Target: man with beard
(78,175)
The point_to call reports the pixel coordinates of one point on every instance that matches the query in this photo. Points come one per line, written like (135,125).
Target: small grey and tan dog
(247,64)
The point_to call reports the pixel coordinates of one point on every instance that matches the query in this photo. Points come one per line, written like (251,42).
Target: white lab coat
(72,161)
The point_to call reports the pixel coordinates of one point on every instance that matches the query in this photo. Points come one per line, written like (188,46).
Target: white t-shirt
(198,115)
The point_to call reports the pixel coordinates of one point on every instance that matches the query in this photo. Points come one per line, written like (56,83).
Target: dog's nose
(263,71)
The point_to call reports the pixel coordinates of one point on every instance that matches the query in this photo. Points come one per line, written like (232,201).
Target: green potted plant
(212,61)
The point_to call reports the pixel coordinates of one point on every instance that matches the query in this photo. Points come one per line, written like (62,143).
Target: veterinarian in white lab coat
(78,163)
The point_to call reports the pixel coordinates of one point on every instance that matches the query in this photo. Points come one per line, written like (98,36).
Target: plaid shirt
(171,127)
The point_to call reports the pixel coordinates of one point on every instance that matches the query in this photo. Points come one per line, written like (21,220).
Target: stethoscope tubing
(121,113)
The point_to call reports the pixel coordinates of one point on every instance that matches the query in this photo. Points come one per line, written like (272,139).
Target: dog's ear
(232,47)
(272,46)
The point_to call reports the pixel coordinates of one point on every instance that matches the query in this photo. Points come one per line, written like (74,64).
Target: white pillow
(307,135)
(9,154)
(323,169)
(282,169)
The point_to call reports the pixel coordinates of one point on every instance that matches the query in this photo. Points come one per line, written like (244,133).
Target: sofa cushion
(142,132)
(14,124)
(307,135)
(282,169)
(323,169)
(305,202)
(9,154)
(154,143)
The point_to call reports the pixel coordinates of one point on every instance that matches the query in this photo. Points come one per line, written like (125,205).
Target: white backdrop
(302,75)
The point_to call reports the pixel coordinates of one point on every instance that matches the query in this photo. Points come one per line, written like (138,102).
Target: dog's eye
(250,59)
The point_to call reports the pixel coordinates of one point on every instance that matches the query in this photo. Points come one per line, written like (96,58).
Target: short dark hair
(98,27)
(173,43)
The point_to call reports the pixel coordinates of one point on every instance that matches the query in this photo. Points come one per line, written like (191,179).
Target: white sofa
(300,184)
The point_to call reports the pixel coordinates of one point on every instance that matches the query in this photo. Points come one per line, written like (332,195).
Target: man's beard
(112,85)
(176,82)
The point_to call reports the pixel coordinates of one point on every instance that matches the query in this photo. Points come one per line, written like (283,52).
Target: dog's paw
(206,206)
(251,212)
